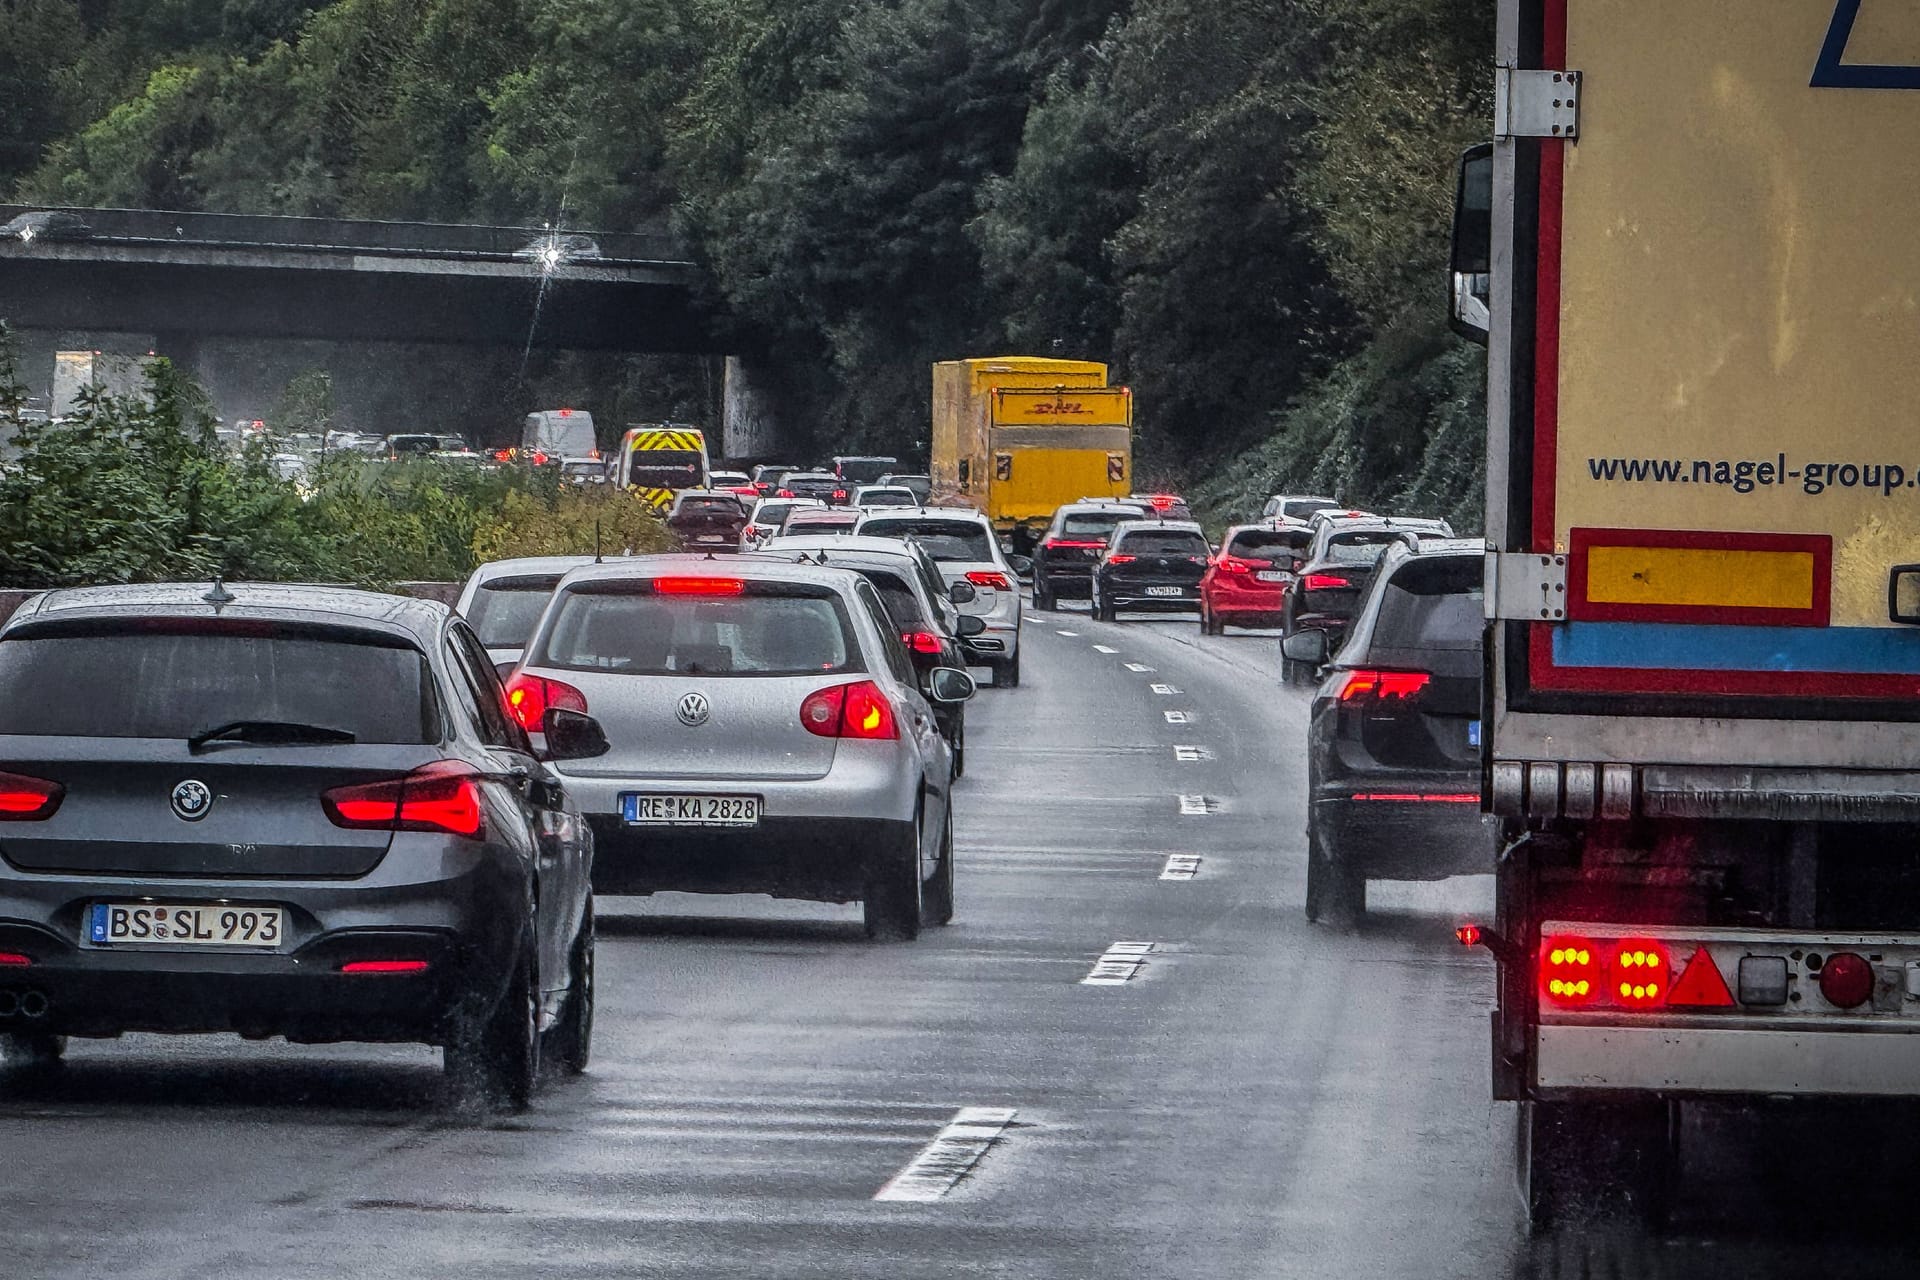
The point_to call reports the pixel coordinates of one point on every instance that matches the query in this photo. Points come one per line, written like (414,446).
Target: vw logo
(693,710)
(191,800)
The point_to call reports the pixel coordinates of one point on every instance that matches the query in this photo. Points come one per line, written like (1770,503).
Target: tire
(1102,611)
(1583,1161)
(494,1058)
(936,897)
(891,899)
(1043,598)
(1006,675)
(570,1043)
(1336,891)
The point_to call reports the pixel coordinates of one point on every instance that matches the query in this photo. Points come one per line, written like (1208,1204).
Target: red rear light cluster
(14,960)
(839,495)
(1642,975)
(384,966)
(857,710)
(25,799)
(1234,564)
(1072,544)
(921,641)
(530,697)
(1630,973)
(784,493)
(990,578)
(443,796)
(1121,558)
(1325,582)
(1382,686)
(1846,980)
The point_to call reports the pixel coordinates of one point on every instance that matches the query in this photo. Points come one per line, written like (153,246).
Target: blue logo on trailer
(1830,72)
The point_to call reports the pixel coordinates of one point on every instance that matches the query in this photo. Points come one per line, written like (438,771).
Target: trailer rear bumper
(1726,1061)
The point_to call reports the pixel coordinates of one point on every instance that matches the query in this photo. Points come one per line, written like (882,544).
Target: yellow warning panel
(1700,576)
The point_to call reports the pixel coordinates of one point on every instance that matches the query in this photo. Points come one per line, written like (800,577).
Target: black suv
(1393,739)
(1151,564)
(1063,563)
(1335,572)
(707,519)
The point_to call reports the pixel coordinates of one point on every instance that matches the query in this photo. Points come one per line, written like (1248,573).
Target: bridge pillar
(751,425)
(183,349)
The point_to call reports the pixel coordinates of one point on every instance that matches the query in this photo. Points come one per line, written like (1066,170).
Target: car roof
(931,513)
(768,568)
(845,544)
(1100,504)
(414,618)
(526,566)
(1158,526)
(1277,525)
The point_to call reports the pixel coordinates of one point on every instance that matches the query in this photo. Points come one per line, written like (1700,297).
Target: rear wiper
(266,733)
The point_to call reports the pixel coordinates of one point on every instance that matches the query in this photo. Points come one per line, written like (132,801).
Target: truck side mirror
(1468,313)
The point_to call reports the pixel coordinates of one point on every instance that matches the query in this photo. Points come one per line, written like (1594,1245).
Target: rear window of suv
(1361,548)
(1269,544)
(771,629)
(159,681)
(505,611)
(948,541)
(1151,543)
(1433,604)
(1094,524)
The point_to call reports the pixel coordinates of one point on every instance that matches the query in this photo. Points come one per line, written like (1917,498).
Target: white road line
(1120,963)
(1178,717)
(1181,866)
(1190,754)
(1193,806)
(1101,648)
(1165,690)
(1140,668)
(949,1157)
(1071,634)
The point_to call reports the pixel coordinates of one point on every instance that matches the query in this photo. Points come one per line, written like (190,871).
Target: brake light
(539,459)
(443,796)
(1378,686)
(1071,544)
(921,641)
(1642,972)
(1119,557)
(503,455)
(839,495)
(14,960)
(1569,971)
(784,493)
(1846,980)
(530,697)
(990,578)
(1233,564)
(1325,582)
(857,710)
(384,966)
(699,586)
(24,799)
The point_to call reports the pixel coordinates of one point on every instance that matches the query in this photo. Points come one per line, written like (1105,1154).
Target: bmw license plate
(690,811)
(1166,591)
(184,924)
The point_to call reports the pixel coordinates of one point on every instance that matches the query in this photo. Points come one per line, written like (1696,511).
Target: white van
(559,433)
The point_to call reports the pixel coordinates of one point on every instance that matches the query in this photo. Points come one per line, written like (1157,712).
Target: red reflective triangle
(1701,986)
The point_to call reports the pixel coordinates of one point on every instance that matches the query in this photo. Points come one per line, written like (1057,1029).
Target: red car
(1246,583)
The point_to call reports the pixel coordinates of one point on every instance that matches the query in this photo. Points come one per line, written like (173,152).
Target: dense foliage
(138,489)
(1240,203)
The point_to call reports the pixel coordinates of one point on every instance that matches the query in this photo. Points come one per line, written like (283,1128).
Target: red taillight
(443,796)
(839,495)
(1846,980)
(921,641)
(529,698)
(1121,558)
(1378,686)
(539,459)
(1570,970)
(990,578)
(1324,582)
(384,966)
(24,799)
(503,455)
(785,493)
(1642,974)
(699,586)
(1233,564)
(857,710)
(1071,544)
(1468,935)
(14,960)
(1160,501)
(1700,985)
(1422,797)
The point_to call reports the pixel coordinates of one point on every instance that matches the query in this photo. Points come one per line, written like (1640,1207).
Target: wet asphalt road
(1262,1098)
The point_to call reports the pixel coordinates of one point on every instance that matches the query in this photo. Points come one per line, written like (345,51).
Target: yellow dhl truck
(1690,249)
(1017,436)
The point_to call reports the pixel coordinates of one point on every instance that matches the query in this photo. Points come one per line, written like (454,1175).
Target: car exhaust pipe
(9,1003)
(34,1004)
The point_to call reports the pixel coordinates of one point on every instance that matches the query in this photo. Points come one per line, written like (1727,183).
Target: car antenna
(219,595)
(596,543)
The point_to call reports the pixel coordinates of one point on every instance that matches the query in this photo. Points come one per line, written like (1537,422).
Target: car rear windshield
(773,513)
(1433,604)
(889,498)
(947,541)
(1269,544)
(771,629)
(1144,543)
(865,470)
(163,681)
(1301,508)
(708,507)
(1361,548)
(505,610)
(1094,524)
(820,520)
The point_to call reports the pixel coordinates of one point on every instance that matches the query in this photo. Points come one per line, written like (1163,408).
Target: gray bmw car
(292,811)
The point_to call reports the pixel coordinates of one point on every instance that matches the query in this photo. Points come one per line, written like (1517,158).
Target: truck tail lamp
(1571,971)
(1846,980)
(1642,975)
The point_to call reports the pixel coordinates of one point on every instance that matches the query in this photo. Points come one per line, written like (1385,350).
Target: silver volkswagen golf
(768,731)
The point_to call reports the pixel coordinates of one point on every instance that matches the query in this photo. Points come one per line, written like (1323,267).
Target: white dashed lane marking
(1164,690)
(1193,806)
(1178,717)
(1190,754)
(1140,668)
(1120,963)
(1102,648)
(949,1157)
(1181,866)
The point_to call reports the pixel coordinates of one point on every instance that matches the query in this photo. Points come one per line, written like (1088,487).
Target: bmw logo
(192,799)
(693,710)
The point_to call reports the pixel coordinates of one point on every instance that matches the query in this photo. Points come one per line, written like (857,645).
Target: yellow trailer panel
(961,389)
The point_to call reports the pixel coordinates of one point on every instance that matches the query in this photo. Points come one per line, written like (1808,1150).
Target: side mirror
(573,735)
(949,685)
(1903,593)
(1308,646)
(969,624)
(1472,257)
(1021,565)
(963,593)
